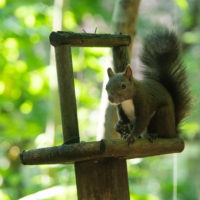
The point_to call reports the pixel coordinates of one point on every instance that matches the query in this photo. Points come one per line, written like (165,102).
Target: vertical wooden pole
(67,94)
(105,179)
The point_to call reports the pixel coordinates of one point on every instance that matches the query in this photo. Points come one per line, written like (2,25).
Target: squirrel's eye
(123,85)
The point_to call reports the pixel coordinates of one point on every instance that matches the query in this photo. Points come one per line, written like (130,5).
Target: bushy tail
(161,57)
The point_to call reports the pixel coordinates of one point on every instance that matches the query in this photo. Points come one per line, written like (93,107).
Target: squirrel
(158,103)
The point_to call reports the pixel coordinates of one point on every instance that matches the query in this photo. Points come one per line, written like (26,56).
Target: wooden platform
(71,153)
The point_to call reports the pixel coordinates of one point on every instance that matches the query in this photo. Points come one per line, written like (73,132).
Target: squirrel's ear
(110,72)
(128,72)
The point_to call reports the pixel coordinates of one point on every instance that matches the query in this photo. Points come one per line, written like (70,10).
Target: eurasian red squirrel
(161,100)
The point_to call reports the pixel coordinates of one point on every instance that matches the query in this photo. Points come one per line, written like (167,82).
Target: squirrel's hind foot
(151,137)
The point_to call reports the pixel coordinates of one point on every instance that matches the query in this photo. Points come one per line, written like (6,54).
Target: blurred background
(29,106)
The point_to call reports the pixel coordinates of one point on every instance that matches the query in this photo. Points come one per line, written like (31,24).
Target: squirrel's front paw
(122,128)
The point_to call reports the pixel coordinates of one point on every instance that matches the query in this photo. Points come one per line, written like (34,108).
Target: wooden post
(104,179)
(67,94)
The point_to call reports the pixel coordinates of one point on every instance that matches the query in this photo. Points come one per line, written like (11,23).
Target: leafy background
(29,108)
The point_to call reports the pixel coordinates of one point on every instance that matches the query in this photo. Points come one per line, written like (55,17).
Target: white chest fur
(129,109)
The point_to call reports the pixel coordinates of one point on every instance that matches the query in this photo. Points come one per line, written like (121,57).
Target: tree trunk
(124,21)
(125,17)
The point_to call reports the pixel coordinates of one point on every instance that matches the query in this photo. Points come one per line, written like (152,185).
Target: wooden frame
(100,167)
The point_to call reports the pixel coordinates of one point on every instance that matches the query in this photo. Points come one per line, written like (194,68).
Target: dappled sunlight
(69,20)
(29,20)
(190,129)
(36,83)
(11,43)
(2,87)
(20,66)
(11,51)
(26,107)
(42,141)
(182,3)
(2,3)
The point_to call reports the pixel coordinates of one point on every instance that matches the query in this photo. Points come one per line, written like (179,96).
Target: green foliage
(24,84)
(26,105)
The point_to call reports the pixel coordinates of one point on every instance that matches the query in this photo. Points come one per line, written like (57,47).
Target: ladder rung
(88,39)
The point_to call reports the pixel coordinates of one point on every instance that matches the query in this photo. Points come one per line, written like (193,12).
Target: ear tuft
(110,72)
(128,72)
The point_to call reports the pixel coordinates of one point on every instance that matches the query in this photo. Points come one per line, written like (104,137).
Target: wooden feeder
(100,166)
